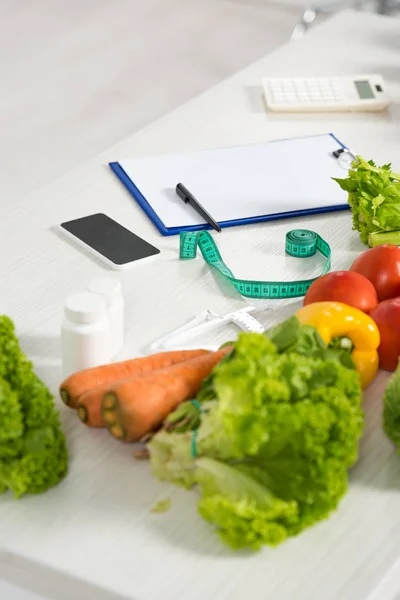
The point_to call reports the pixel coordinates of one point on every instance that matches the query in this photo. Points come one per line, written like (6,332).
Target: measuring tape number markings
(300,243)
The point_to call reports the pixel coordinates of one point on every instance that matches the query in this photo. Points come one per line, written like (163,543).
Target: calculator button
(276,95)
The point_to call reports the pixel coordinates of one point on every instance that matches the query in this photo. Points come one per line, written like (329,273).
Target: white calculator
(317,94)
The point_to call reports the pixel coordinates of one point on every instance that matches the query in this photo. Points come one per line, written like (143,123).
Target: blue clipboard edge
(167,231)
(140,199)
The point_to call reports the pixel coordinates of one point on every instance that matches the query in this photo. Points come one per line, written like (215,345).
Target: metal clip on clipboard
(205,322)
(345,157)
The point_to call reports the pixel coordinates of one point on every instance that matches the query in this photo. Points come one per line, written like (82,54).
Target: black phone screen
(109,238)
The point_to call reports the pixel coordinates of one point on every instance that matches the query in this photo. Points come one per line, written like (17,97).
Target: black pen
(188,198)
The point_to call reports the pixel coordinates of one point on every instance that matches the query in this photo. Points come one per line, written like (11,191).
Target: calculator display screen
(364,90)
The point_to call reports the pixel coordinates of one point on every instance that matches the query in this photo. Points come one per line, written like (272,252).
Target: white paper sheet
(243,181)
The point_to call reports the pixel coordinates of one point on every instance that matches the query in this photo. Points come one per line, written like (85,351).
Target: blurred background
(77,76)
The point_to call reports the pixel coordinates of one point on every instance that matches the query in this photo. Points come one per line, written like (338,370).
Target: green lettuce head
(269,440)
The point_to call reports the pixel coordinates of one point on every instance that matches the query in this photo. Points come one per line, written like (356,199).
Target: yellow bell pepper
(333,320)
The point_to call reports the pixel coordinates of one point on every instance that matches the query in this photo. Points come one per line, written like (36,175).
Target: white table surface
(93,537)
(75,80)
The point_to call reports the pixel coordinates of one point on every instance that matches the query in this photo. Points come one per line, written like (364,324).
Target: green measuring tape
(300,243)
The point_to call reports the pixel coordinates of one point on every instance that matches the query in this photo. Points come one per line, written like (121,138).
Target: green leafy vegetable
(273,438)
(243,509)
(391,409)
(33,453)
(161,506)
(374,198)
(290,336)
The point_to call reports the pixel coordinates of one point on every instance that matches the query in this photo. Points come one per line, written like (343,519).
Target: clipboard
(238,185)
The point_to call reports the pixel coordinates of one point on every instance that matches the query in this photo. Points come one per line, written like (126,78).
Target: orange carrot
(84,381)
(135,407)
(89,406)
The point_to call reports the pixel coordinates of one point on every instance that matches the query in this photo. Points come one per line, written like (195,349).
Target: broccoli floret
(33,451)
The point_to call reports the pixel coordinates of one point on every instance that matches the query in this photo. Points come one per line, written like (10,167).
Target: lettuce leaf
(391,409)
(33,450)
(272,441)
(244,511)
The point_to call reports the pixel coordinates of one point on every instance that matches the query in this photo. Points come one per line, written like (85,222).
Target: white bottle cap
(107,287)
(85,307)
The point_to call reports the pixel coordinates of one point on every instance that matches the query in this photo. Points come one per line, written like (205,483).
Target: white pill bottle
(85,333)
(110,289)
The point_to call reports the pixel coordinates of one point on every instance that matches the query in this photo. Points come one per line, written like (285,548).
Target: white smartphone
(109,241)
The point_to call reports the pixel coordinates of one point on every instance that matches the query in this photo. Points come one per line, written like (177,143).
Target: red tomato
(387,317)
(343,286)
(381,265)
